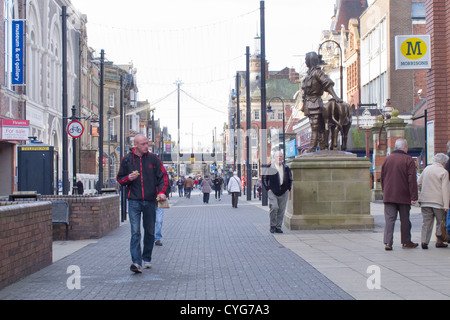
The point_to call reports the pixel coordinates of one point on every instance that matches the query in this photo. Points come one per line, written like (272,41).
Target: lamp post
(101,124)
(341,68)
(263,153)
(269,110)
(248,120)
(109,148)
(65,155)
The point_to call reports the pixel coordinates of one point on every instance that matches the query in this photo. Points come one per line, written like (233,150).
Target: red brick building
(438,79)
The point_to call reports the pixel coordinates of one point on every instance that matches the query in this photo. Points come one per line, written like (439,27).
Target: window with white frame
(8,8)
(375,91)
(111,99)
(280,116)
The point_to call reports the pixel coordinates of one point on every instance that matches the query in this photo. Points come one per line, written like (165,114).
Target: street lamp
(109,147)
(341,68)
(269,110)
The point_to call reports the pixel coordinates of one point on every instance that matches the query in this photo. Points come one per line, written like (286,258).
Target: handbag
(444,234)
(164,204)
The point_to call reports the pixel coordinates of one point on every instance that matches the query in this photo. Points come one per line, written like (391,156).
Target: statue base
(331,190)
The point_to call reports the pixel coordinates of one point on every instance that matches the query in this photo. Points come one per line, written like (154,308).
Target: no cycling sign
(75,129)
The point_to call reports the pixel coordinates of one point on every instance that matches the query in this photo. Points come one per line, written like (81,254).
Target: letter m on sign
(414,49)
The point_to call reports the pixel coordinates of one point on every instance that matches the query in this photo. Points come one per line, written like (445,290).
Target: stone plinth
(331,190)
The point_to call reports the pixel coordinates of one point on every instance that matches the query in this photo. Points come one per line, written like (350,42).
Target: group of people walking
(206,186)
(146,178)
(148,182)
(402,188)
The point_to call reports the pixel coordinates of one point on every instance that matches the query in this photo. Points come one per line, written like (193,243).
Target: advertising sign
(168,146)
(412,52)
(14,130)
(17,52)
(291,149)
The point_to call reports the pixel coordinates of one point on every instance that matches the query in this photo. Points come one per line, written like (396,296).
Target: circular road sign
(75,129)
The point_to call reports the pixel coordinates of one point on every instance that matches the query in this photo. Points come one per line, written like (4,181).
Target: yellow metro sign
(414,48)
(412,52)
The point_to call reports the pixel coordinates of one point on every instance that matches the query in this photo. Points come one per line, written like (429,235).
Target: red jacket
(152,179)
(399,179)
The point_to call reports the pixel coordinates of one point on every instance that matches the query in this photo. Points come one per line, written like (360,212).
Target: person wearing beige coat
(434,200)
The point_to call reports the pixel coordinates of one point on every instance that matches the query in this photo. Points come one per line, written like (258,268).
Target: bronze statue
(337,118)
(335,115)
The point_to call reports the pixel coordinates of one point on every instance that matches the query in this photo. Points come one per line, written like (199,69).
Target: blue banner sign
(17,52)
(291,149)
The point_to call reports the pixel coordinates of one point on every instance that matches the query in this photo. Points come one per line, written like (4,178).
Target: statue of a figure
(314,85)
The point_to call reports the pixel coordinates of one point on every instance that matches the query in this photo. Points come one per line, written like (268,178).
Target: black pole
(100,138)
(249,125)
(178,142)
(74,156)
(123,199)
(65,155)
(426,137)
(238,124)
(284,133)
(263,155)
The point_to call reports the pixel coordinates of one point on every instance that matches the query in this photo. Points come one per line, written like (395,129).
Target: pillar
(379,154)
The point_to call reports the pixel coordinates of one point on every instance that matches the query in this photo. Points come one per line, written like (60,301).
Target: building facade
(281,87)
(39,99)
(438,96)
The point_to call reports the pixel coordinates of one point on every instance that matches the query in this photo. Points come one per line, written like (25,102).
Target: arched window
(34,53)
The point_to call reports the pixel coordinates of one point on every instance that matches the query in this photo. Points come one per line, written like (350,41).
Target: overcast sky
(202,43)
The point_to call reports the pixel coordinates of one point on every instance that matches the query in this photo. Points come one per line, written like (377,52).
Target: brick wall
(401,81)
(420,76)
(88,161)
(438,27)
(25,240)
(91,217)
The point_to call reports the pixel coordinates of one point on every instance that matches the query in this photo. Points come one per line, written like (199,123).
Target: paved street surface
(209,252)
(215,252)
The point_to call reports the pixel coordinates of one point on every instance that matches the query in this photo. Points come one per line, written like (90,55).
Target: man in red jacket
(399,184)
(146,178)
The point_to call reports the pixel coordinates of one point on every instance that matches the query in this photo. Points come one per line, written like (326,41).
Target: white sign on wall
(430,141)
(412,52)
(14,130)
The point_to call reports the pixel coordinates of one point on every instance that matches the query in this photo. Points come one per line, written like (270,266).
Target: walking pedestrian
(180,184)
(218,181)
(188,185)
(399,185)
(278,183)
(146,177)
(447,167)
(80,187)
(206,188)
(196,183)
(158,225)
(234,187)
(434,200)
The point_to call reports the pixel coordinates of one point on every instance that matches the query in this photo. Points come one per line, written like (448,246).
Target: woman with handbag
(234,187)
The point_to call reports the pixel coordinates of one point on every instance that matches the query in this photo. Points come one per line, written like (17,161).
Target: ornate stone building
(39,100)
